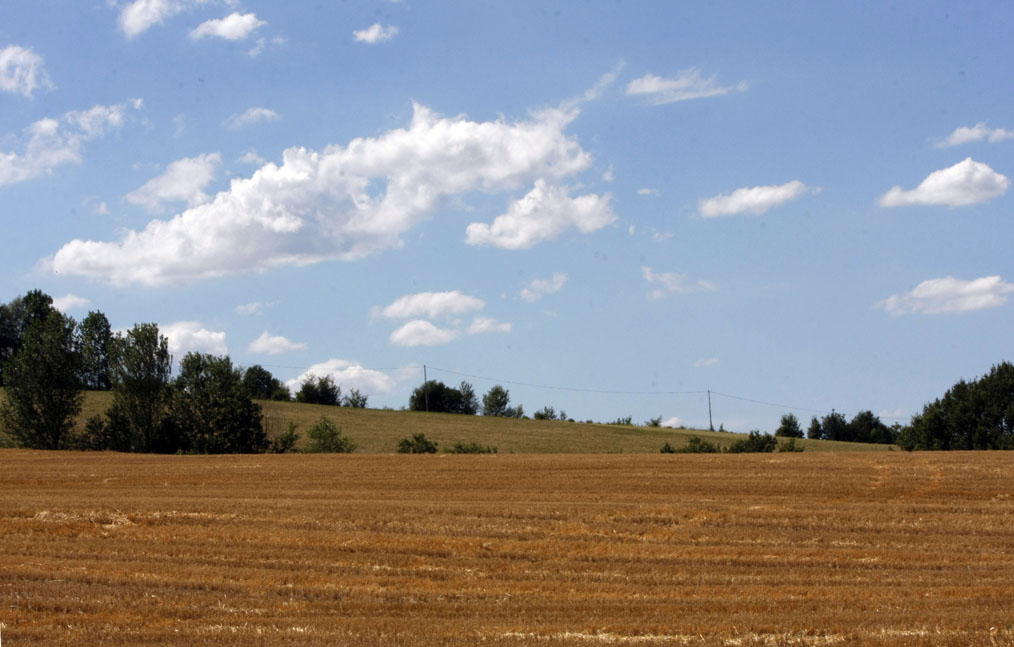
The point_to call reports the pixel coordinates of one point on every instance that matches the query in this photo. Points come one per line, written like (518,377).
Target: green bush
(790,446)
(417,444)
(326,438)
(470,448)
(667,449)
(756,442)
(286,441)
(697,445)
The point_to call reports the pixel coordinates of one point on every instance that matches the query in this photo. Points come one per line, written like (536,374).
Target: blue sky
(802,204)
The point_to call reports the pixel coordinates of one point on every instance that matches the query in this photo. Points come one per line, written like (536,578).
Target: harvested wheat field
(792,549)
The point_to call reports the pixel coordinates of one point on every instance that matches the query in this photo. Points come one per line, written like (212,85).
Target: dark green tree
(469,401)
(96,342)
(320,390)
(437,397)
(213,411)
(139,415)
(496,401)
(865,427)
(755,442)
(260,383)
(355,400)
(834,427)
(325,437)
(417,444)
(814,432)
(15,318)
(789,427)
(42,388)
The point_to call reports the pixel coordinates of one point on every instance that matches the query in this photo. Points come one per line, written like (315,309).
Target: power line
(564,388)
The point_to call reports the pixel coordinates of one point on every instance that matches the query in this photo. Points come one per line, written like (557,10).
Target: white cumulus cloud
(53,142)
(348,375)
(967,182)
(420,332)
(977,133)
(543,214)
(251,116)
(183,181)
(432,305)
(667,283)
(235,26)
(539,288)
(688,84)
(138,16)
(375,33)
(70,302)
(189,336)
(755,200)
(269,344)
(22,71)
(948,294)
(481,325)
(348,202)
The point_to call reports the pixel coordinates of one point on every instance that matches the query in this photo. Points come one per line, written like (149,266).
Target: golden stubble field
(793,549)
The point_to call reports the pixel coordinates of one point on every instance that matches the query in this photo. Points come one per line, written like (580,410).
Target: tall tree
(141,394)
(16,317)
(260,383)
(96,341)
(496,401)
(789,427)
(212,409)
(42,388)
(320,390)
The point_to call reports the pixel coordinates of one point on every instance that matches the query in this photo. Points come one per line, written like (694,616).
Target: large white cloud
(948,294)
(190,336)
(967,182)
(432,304)
(53,142)
(348,375)
(375,33)
(70,302)
(22,71)
(235,26)
(688,84)
(420,332)
(183,181)
(977,133)
(755,200)
(539,288)
(666,283)
(543,214)
(347,202)
(269,344)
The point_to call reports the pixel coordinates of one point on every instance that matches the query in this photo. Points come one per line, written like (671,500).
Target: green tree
(438,397)
(96,343)
(319,390)
(469,402)
(814,432)
(42,388)
(355,400)
(867,428)
(15,318)
(755,442)
(834,427)
(139,414)
(496,402)
(260,383)
(324,437)
(789,427)
(213,411)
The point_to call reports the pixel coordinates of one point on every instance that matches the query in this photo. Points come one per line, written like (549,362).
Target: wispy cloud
(432,305)
(420,332)
(949,295)
(754,200)
(977,133)
(539,288)
(688,84)
(707,362)
(667,283)
(235,26)
(269,344)
(70,302)
(967,182)
(22,71)
(251,116)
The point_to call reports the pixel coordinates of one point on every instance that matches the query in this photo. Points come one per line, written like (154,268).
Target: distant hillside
(379,430)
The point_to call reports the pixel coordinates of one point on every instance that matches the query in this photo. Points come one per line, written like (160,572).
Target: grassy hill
(378,431)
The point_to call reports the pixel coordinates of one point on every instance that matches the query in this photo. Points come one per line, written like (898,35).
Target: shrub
(667,449)
(790,446)
(286,441)
(417,444)
(326,438)
(470,448)
(754,443)
(697,445)
(654,422)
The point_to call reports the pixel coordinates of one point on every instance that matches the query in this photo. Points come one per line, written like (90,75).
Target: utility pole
(711,425)
(426,391)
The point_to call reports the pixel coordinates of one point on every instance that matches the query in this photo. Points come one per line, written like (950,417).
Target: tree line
(47,359)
